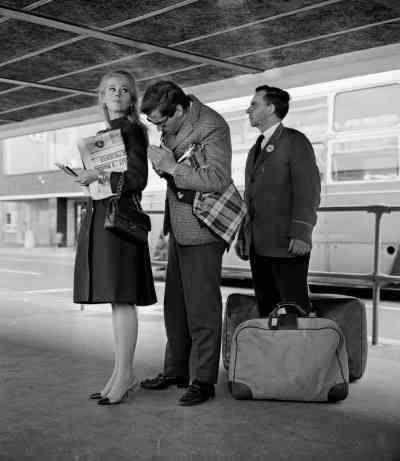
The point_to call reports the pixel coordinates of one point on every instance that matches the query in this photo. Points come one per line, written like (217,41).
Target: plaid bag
(222,213)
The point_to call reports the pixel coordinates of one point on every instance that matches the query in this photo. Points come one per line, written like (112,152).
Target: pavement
(53,355)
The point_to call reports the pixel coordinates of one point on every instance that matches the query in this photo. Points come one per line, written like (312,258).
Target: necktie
(257,148)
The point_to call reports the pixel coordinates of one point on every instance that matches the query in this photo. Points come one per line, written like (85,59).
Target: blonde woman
(108,268)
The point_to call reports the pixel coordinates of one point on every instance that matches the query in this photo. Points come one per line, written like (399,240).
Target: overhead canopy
(54,52)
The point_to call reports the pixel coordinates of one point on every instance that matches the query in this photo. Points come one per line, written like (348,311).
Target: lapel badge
(270,148)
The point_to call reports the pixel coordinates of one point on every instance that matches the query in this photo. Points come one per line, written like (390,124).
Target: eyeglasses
(160,122)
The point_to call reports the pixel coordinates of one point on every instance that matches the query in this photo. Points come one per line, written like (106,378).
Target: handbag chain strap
(120,185)
(135,198)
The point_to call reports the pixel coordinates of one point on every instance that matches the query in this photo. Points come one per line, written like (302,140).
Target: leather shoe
(197,393)
(162,382)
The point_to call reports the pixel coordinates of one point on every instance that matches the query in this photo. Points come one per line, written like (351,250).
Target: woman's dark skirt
(108,268)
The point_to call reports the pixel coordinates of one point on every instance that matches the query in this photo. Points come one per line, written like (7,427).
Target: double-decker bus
(354,126)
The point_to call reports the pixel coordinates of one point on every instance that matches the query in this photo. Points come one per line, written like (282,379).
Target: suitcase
(347,311)
(238,308)
(350,314)
(289,357)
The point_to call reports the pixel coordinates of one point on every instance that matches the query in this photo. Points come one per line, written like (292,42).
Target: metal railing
(375,279)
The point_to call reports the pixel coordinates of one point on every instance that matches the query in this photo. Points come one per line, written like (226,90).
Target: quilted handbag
(125,217)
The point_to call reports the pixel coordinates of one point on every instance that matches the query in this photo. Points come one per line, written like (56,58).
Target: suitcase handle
(288,319)
(290,307)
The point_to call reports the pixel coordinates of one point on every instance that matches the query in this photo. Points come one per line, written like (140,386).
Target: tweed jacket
(282,192)
(206,127)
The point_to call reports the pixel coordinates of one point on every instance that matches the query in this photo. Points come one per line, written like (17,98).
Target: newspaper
(104,152)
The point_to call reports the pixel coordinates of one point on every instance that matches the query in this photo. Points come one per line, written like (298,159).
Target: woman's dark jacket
(108,268)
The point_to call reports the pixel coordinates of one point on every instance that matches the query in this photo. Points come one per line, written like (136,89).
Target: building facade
(39,204)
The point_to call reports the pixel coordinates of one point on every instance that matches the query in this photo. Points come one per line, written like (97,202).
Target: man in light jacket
(282,192)
(192,303)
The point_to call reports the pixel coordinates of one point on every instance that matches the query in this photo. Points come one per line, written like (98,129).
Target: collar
(268,133)
(194,109)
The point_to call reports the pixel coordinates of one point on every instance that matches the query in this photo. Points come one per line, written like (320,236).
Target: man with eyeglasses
(195,155)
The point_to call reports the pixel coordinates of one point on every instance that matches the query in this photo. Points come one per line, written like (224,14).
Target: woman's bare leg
(106,389)
(125,323)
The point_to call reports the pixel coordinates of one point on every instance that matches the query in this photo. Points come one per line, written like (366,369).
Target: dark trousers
(193,311)
(279,279)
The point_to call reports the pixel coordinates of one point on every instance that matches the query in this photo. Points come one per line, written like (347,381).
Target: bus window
(365,159)
(367,108)
(320,157)
(309,116)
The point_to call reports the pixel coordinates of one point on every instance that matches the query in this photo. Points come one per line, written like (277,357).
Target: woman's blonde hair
(133,111)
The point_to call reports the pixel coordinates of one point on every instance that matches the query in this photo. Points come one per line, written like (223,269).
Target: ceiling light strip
(261,21)
(28,106)
(47,87)
(30,7)
(41,51)
(165,74)
(318,37)
(96,66)
(159,12)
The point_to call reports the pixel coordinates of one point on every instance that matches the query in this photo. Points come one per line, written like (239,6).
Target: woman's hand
(86,177)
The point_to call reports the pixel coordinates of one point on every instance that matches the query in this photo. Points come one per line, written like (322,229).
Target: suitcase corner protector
(240,391)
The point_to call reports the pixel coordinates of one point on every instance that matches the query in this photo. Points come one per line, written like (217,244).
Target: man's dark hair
(279,98)
(164,96)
